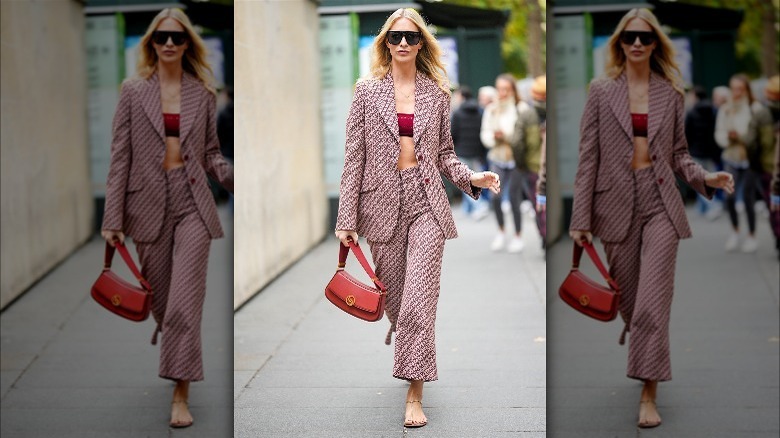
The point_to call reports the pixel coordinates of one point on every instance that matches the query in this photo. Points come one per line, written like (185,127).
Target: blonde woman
(632,145)
(164,146)
(398,140)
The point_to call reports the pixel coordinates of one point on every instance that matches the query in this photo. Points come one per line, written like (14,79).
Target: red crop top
(639,123)
(171,124)
(405,125)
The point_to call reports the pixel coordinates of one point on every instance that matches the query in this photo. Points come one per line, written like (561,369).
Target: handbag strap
(128,260)
(344,251)
(588,247)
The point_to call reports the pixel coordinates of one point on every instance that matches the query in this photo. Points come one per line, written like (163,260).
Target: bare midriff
(407,158)
(172,158)
(641,158)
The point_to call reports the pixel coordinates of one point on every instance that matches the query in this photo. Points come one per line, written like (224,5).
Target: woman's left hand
(486,180)
(720,180)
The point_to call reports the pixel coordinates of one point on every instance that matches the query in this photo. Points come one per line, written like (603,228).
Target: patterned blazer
(603,187)
(369,195)
(136,186)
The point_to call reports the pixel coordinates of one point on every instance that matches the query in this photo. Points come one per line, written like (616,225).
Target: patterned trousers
(410,266)
(643,265)
(175,265)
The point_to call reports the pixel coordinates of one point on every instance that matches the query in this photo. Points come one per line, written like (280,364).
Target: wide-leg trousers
(410,266)
(175,265)
(643,266)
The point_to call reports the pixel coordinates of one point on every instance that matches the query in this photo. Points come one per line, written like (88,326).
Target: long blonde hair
(194,60)
(662,58)
(428,59)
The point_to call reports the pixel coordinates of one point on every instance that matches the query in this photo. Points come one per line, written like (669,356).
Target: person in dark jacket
(699,132)
(466,124)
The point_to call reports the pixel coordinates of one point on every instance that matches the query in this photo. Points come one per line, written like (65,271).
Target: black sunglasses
(412,38)
(629,36)
(161,37)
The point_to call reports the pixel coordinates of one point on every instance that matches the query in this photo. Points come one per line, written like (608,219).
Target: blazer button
(653,157)
(192,180)
(660,180)
(419,157)
(187,157)
(427,180)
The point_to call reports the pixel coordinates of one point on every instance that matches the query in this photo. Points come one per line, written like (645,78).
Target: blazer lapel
(423,93)
(152,104)
(657,102)
(190,98)
(620,105)
(386,103)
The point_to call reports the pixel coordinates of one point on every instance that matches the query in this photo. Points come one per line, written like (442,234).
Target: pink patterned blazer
(369,195)
(603,187)
(136,187)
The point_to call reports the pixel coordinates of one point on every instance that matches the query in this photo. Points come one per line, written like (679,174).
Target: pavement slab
(306,369)
(71,369)
(724,347)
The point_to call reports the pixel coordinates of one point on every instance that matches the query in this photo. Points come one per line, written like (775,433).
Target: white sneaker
(714,212)
(732,242)
(516,245)
(498,243)
(750,244)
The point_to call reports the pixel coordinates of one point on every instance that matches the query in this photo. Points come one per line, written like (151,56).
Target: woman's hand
(580,235)
(113,235)
(345,235)
(486,180)
(720,180)
(498,135)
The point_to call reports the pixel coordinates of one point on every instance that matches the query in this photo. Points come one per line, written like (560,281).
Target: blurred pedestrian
(631,201)
(162,199)
(498,129)
(541,182)
(466,124)
(733,134)
(526,150)
(700,134)
(398,143)
(486,96)
(767,126)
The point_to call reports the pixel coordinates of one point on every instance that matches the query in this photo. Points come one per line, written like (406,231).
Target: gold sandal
(647,425)
(410,423)
(180,425)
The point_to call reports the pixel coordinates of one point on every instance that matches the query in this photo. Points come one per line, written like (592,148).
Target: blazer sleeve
(683,165)
(588,164)
(354,164)
(447,162)
(121,159)
(217,167)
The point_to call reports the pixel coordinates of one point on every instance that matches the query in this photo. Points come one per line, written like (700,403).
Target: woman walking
(735,134)
(398,140)
(497,134)
(164,146)
(632,145)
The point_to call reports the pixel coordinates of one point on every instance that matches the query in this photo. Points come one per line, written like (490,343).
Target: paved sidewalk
(724,342)
(303,368)
(72,369)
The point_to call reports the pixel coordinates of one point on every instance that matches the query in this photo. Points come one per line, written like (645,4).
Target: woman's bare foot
(648,412)
(180,411)
(414,416)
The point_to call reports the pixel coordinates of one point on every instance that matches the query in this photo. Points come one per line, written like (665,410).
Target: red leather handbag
(119,296)
(350,295)
(587,296)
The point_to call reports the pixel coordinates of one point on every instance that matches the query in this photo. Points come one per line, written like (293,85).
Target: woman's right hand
(580,235)
(113,235)
(345,235)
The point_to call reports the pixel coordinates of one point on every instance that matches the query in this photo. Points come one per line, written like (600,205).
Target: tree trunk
(768,40)
(534,26)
